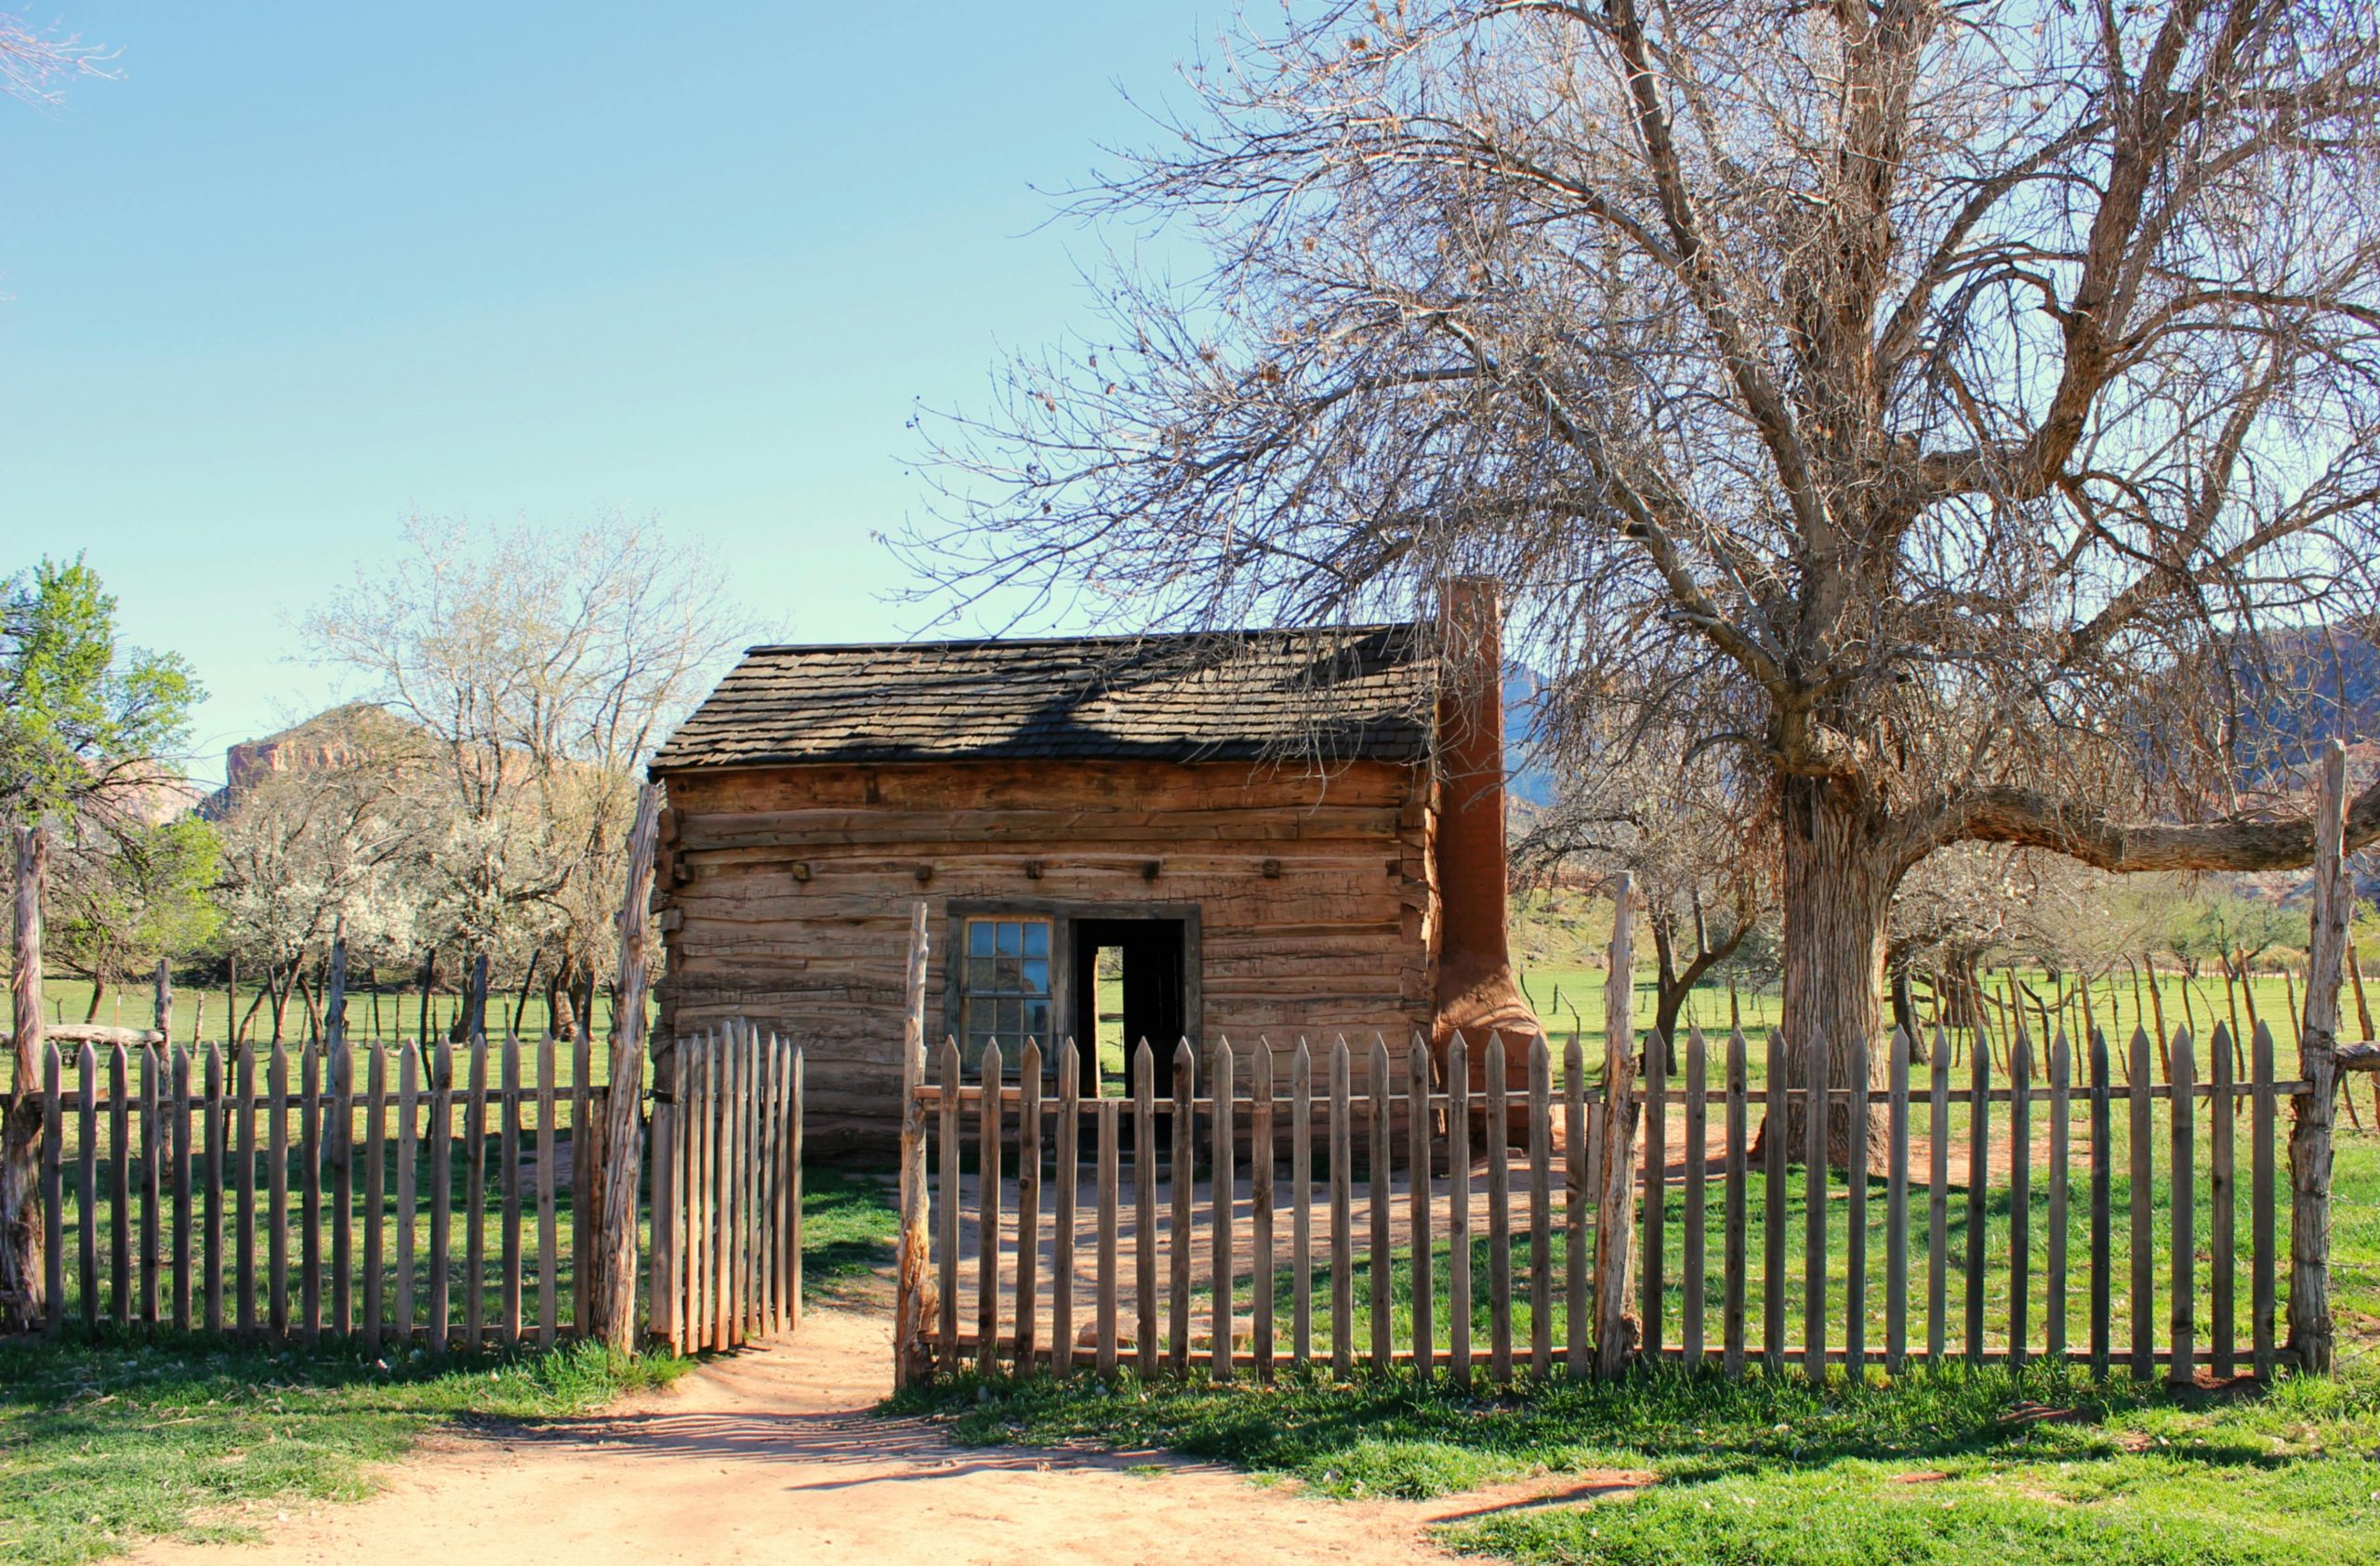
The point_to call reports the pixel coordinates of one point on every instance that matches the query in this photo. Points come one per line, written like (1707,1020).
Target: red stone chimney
(1476,991)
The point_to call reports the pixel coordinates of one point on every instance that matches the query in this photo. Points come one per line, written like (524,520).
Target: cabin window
(1004,986)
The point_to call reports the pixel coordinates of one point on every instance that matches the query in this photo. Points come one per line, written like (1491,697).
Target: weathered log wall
(785,897)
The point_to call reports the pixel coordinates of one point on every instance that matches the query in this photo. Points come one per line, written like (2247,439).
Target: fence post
(22,1307)
(2309,1137)
(623,1102)
(913,1285)
(1616,1330)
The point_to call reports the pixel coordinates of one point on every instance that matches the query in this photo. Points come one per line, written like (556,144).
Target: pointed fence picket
(1442,1200)
(406,1195)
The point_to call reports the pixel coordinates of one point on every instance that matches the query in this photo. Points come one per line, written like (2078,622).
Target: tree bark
(624,1102)
(20,1133)
(2310,1326)
(914,1284)
(428,979)
(1618,1332)
(1837,881)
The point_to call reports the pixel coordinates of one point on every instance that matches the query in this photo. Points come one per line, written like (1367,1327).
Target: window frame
(1012,1044)
(1062,914)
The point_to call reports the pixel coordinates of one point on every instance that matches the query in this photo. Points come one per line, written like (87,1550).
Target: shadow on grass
(1689,1426)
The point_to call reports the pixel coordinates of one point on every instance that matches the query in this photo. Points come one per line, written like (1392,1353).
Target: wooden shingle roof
(1337,694)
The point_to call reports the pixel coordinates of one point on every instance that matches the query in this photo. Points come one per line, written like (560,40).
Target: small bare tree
(312,853)
(539,667)
(1687,830)
(1966,388)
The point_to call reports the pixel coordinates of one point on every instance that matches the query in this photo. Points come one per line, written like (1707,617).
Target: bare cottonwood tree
(1964,388)
(35,61)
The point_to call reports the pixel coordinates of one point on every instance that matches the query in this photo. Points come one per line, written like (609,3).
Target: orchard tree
(1962,389)
(314,854)
(539,667)
(125,895)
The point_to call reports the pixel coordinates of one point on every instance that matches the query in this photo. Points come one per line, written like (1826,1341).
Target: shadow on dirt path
(772,1455)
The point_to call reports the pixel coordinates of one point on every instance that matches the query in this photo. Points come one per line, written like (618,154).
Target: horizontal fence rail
(1999,1203)
(399,1194)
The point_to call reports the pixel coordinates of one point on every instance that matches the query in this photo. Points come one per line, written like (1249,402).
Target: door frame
(1062,913)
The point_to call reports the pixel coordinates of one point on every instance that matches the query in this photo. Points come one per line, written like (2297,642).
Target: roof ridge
(1124,639)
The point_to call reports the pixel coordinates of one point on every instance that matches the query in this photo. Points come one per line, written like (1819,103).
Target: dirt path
(774,1456)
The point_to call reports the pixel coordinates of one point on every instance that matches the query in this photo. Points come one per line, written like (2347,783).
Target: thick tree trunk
(21,1276)
(1837,886)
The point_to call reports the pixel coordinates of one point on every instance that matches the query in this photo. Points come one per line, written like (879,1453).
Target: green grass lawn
(1941,1464)
(104,1441)
(1949,1466)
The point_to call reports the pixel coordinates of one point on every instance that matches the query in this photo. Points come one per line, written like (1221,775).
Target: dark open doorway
(1151,955)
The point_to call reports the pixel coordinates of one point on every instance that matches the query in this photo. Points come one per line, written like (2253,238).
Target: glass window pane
(1012,937)
(979,975)
(979,938)
(1036,1020)
(1037,939)
(1037,975)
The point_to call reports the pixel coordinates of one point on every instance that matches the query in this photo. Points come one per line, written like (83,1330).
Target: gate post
(23,1271)
(2309,1137)
(1617,1332)
(913,1299)
(623,1142)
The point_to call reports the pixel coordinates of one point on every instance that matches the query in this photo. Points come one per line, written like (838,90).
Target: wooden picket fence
(1373,1215)
(445,1197)
(726,1190)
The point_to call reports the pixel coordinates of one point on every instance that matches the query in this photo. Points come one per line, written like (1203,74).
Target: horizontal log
(964,827)
(1341,903)
(97,1033)
(1026,785)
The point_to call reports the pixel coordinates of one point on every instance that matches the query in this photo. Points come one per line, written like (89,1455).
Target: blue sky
(303,270)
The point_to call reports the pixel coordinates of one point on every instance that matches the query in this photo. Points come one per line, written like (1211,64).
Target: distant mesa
(332,740)
(329,741)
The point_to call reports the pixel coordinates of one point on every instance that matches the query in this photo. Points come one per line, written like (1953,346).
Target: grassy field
(1940,1465)
(200,1016)
(1572,998)
(198,1010)
(105,1441)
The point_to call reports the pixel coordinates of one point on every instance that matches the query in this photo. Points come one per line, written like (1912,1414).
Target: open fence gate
(726,1189)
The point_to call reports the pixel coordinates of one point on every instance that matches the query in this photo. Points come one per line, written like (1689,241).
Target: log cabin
(1258,834)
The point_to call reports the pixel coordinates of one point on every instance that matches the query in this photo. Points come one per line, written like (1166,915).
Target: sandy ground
(772,1455)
